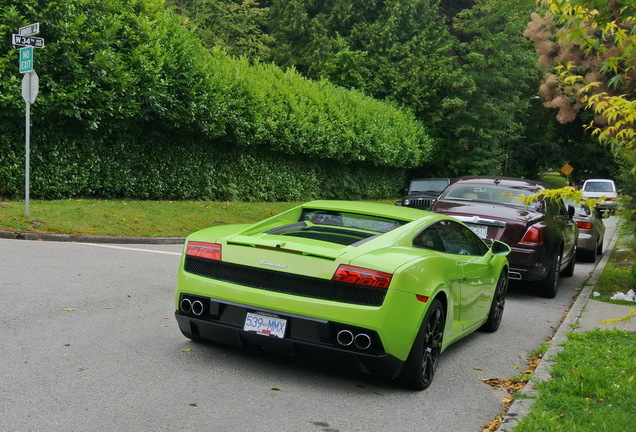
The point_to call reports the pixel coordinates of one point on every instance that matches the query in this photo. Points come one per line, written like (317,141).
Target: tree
(233,25)
(588,50)
(486,110)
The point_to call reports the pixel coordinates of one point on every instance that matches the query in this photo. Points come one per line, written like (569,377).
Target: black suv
(422,192)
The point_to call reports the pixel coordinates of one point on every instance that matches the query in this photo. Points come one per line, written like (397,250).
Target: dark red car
(542,235)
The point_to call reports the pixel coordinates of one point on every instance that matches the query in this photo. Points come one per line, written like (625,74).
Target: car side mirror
(499,248)
(571,211)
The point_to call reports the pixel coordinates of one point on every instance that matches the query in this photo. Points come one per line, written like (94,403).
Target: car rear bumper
(586,241)
(223,322)
(528,264)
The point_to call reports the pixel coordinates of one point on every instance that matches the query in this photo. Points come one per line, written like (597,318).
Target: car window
(556,208)
(429,239)
(451,237)
(376,224)
(487,193)
(598,187)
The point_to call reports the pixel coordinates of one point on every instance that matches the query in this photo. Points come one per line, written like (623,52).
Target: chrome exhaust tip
(362,341)
(186,305)
(344,337)
(197,307)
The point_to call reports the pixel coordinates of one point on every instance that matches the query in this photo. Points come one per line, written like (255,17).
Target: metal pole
(27,149)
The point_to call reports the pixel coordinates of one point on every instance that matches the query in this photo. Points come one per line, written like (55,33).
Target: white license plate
(265,325)
(480,230)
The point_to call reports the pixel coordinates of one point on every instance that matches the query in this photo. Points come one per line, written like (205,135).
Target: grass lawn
(592,388)
(127,218)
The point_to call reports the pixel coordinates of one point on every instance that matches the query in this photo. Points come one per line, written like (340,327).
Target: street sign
(30,84)
(29,30)
(26,59)
(567,169)
(27,41)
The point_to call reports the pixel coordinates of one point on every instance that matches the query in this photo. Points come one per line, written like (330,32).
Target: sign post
(30,83)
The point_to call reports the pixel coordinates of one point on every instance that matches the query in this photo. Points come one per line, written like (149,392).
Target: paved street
(89,342)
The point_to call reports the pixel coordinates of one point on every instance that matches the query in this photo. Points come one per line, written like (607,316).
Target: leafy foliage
(489,102)
(463,67)
(587,48)
(132,104)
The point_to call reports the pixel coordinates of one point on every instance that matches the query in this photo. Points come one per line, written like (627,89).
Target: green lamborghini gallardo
(385,287)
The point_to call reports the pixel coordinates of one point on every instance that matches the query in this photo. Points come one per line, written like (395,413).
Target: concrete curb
(521,406)
(90,239)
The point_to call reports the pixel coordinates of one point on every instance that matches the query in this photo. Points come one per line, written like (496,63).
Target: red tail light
(211,251)
(360,276)
(534,235)
(584,225)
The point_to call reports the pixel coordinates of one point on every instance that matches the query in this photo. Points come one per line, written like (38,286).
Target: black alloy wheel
(497,306)
(550,285)
(419,368)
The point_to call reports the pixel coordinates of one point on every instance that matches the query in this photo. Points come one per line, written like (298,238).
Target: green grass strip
(593,386)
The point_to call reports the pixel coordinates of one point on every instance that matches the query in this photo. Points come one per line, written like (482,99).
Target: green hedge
(132,105)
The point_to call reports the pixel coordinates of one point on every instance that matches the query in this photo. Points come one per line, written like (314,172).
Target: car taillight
(534,235)
(360,276)
(584,225)
(211,251)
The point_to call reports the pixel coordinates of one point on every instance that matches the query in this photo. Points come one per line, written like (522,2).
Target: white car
(601,188)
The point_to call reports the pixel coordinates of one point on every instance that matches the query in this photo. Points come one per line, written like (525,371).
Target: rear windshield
(487,193)
(598,187)
(338,227)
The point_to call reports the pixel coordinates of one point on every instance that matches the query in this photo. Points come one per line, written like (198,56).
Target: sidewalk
(585,314)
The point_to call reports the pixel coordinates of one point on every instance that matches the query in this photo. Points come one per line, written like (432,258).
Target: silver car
(601,188)
(591,231)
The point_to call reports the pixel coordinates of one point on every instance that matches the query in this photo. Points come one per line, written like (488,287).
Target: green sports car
(385,287)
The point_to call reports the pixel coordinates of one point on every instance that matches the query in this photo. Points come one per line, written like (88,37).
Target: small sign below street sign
(27,41)
(29,30)
(30,85)
(26,59)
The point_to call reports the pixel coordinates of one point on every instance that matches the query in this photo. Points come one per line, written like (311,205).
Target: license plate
(265,325)
(480,230)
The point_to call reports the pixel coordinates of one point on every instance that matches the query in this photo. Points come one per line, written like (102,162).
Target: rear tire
(419,368)
(497,306)
(588,256)
(549,286)
(569,270)
(599,248)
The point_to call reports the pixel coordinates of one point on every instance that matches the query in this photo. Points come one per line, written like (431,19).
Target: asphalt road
(89,343)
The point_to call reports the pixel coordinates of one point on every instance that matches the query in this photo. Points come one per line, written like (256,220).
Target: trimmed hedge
(131,105)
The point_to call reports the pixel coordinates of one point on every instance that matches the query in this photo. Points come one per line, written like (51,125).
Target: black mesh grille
(420,203)
(287,283)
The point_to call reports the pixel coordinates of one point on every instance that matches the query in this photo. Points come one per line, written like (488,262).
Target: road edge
(90,239)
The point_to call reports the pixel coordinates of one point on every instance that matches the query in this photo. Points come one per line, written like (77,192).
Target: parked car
(386,287)
(591,231)
(542,234)
(601,188)
(422,192)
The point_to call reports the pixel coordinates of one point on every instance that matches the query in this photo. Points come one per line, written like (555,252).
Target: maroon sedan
(542,235)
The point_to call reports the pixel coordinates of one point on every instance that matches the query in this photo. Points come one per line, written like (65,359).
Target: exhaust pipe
(197,307)
(362,341)
(344,337)
(186,305)
(514,275)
